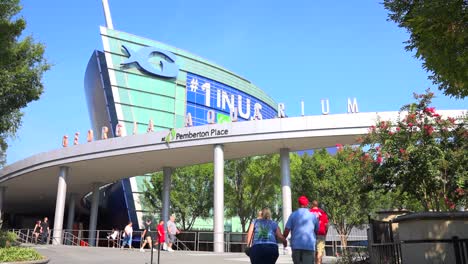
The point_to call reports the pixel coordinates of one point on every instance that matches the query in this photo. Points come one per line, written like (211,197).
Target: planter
(41,261)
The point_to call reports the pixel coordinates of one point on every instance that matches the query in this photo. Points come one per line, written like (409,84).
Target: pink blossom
(430,110)
(339,146)
(379,159)
(429,129)
(410,124)
(402,151)
(398,129)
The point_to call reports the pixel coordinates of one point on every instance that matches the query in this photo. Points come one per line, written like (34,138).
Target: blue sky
(307,51)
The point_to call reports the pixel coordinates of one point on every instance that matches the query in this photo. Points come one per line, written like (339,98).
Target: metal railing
(385,253)
(356,244)
(186,241)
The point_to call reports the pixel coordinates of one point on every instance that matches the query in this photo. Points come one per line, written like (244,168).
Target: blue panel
(190,97)
(199,87)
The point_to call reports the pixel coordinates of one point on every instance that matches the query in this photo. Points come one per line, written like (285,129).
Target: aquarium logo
(167,66)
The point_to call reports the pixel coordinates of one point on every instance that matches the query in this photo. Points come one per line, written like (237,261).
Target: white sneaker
(170,249)
(142,250)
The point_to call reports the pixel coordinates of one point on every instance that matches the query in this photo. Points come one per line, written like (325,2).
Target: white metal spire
(107,14)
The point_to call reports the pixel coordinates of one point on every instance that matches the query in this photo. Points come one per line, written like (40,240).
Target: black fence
(384,249)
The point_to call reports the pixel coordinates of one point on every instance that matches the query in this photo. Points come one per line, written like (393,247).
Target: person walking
(322,231)
(172,231)
(303,227)
(128,232)
(37,231)
(45,230)
(161,234)
(264,233)
(146,235)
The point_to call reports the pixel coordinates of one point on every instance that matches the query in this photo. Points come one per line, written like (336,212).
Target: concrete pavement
(92,255)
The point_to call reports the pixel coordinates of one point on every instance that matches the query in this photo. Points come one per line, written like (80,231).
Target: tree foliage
(191,193)
(422,154)
(337,181)
(251,184)
(438,33)
(21,67)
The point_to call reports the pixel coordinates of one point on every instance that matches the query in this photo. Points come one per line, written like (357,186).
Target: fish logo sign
(167,66)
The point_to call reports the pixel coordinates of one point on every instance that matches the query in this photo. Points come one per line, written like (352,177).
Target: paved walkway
(91,255)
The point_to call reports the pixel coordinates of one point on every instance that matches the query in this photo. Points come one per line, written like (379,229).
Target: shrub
(7,239)
(19,254)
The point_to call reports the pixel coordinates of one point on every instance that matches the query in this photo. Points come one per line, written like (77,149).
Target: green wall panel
(186,61)
(143,115)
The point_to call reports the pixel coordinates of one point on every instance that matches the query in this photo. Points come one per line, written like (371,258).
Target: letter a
(188,120)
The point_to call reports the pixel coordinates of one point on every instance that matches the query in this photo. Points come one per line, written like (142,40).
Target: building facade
(136,85)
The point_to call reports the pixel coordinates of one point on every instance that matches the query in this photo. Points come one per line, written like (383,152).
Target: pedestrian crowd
(148,236)
(307,227)
(41,233)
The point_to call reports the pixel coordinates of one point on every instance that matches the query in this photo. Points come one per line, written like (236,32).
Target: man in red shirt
(322,231)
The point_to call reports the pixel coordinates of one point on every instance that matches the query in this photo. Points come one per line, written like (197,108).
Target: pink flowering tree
(422,154)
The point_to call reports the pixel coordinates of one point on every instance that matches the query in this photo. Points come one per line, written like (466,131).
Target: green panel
(180,93)
(142,83)
(140,180)
(182,77)
(180,121)
(127,114)
(151,101)
(179,107)
(186,62)
(143,115)
(222,119)
(124,95)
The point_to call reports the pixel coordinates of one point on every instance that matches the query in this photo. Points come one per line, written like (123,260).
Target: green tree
(251,184)
(21,67)
(191,193)
(421,154)
(338,181)
(438,33)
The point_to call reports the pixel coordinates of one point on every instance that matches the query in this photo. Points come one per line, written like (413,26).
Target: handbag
(248,247)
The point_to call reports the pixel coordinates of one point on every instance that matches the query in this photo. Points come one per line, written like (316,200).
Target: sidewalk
(92,255)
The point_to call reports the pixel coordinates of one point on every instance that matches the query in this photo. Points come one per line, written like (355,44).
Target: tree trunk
(344,243)
(243,220)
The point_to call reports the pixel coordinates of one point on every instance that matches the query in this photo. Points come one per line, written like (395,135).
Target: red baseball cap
(303,200)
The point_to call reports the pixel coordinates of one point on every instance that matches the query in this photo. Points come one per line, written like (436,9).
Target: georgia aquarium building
(136,85)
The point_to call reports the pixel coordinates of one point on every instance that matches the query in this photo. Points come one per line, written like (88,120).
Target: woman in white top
(128,231)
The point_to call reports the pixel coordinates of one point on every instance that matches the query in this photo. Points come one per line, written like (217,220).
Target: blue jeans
(264,254)
(127,241)
(301,256)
